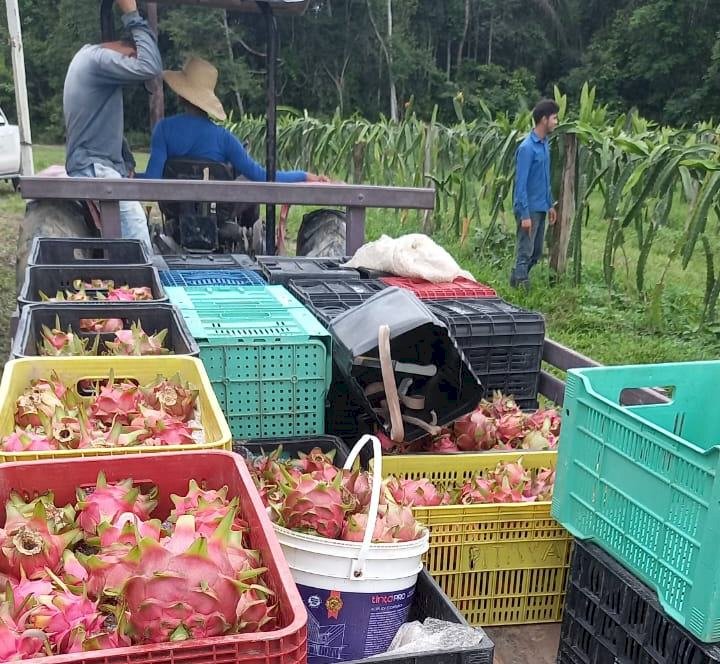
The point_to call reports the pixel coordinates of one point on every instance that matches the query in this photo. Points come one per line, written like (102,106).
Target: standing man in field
(93,107)
(532,198)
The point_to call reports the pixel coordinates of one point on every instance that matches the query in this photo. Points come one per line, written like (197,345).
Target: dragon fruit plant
(310,495)
(52,416)
(497,425)
(102,573)
(57,342)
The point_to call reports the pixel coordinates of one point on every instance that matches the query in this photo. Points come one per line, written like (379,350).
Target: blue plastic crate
(268,358)
(211,278)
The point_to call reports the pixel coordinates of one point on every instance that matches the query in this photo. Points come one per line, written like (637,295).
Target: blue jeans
(529,249)
(133,222)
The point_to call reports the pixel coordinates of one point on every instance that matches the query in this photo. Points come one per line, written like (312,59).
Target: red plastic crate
(426,290)
(171,472)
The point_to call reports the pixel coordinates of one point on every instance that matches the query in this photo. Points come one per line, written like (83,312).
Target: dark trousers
(529,247)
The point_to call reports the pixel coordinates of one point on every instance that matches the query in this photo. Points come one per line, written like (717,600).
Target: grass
(611,327)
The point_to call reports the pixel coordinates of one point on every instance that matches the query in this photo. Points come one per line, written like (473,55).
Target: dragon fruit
(157,428)
(172,397)
(17,641)
(128,294)
(316,459)
(510,427)
(29,546)
(415,493)
(509,482)
(107,501)
(93,284)
(136,341)
(60,519)
(67,296)
(475,431)
(443,444)
(28,441)
(56,342)
(185,587)
(39,402)
(356,525)
(115,402)
(101,325)
(313,506)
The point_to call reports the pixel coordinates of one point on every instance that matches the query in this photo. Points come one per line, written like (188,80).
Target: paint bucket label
(343,626)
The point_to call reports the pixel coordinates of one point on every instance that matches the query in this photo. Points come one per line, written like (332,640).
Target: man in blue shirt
(194,134)
(532,198)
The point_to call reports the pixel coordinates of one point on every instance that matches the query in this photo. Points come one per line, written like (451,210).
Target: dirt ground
(525,644)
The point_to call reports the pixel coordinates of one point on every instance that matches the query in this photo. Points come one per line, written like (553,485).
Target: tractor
(202,227)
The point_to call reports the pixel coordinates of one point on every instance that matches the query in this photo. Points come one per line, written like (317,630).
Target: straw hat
(196,84)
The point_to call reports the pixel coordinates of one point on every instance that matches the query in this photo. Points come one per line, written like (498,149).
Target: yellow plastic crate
(18,374)
(499,564)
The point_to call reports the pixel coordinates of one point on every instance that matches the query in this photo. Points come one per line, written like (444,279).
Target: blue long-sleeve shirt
(195,136)
(532,177)
(93,97)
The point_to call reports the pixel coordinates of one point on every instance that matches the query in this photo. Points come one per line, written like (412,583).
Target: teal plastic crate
(268,358)
(643,482)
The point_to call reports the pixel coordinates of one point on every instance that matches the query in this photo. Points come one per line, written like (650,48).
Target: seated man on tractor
(194,134)
(93,108)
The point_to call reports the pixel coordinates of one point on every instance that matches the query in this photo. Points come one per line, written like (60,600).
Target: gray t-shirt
(92,98)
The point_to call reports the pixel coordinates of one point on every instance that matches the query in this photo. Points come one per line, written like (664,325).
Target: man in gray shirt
(93,107)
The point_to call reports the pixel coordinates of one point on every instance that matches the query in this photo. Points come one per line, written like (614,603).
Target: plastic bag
(414,255)
(434,635)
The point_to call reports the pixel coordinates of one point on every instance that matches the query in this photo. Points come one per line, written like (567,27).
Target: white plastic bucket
(357,594)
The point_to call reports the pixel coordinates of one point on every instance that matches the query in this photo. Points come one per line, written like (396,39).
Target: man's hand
(127,6)
(552,216)
(312,177)
(526,225)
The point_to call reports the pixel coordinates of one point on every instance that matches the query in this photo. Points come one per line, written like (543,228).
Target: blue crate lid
(211,278)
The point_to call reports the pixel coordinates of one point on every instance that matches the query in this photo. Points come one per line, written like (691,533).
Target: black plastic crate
(211,262)
(292,446)
(327,298)
(53,278)
(612,618)
(152,316)
(281,269)
(430,601)
(346,418)
(503,343)
(211,278)
(87,251)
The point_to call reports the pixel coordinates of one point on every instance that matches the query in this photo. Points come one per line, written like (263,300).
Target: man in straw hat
(93,107)
(195,134)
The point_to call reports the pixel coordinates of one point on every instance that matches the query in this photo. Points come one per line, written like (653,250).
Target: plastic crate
(269,360)
(211,278)
(643,481)
(503,343)
(499,564)
(18,374)
(611,617)
(53,278)
(87,251)
(281,269)
(153,317)
(328,299)
(429,601)
(427,290)
(171,474)
(210,262)
(292,446)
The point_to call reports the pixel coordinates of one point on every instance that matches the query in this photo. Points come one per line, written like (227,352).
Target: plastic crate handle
(357,570)
(610,383)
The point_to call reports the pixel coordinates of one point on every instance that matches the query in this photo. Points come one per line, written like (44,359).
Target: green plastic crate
(643,482)
(268,358)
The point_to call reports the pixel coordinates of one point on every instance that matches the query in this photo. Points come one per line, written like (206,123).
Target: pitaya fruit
(115,403)
(60,519)
(93,284)
(510,427)
(158,428)
(316,459)
(56,342)
(39,402)
(358,485)
(185,587)
(107,501)
(535,442)
(28,441)
(101,325)
(136,341)
(443,444)
(475,431)
(313,506)
(209,508)
(356,525)
(29,546)
(128,294)
(401,523)
(501,405)
(17,641)
(416,493)
(476,490)
(172,397)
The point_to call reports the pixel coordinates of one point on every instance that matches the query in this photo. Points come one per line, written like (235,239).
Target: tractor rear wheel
(48,218)
(322,233)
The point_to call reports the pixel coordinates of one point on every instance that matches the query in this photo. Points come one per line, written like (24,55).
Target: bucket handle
(357,570)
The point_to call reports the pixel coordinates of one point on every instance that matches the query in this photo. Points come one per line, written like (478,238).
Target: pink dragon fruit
(127,294)
(501,405)
(172,397)
(158,428)
(443,445)
(28,545)
(28,441)
(60,519)
(416,493)
(101,325)
(476,490)
(107,501)
(356,525)
(510,427)
(56,342)
(136,341)
(17,641)
(115,403)
(39,402)
(358,485)
(316,459)
(535,441)
(93,284)
(209,508)
(401,523)
(475,431)
(313,506)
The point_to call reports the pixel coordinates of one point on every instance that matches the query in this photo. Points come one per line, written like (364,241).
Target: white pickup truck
(9,150)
